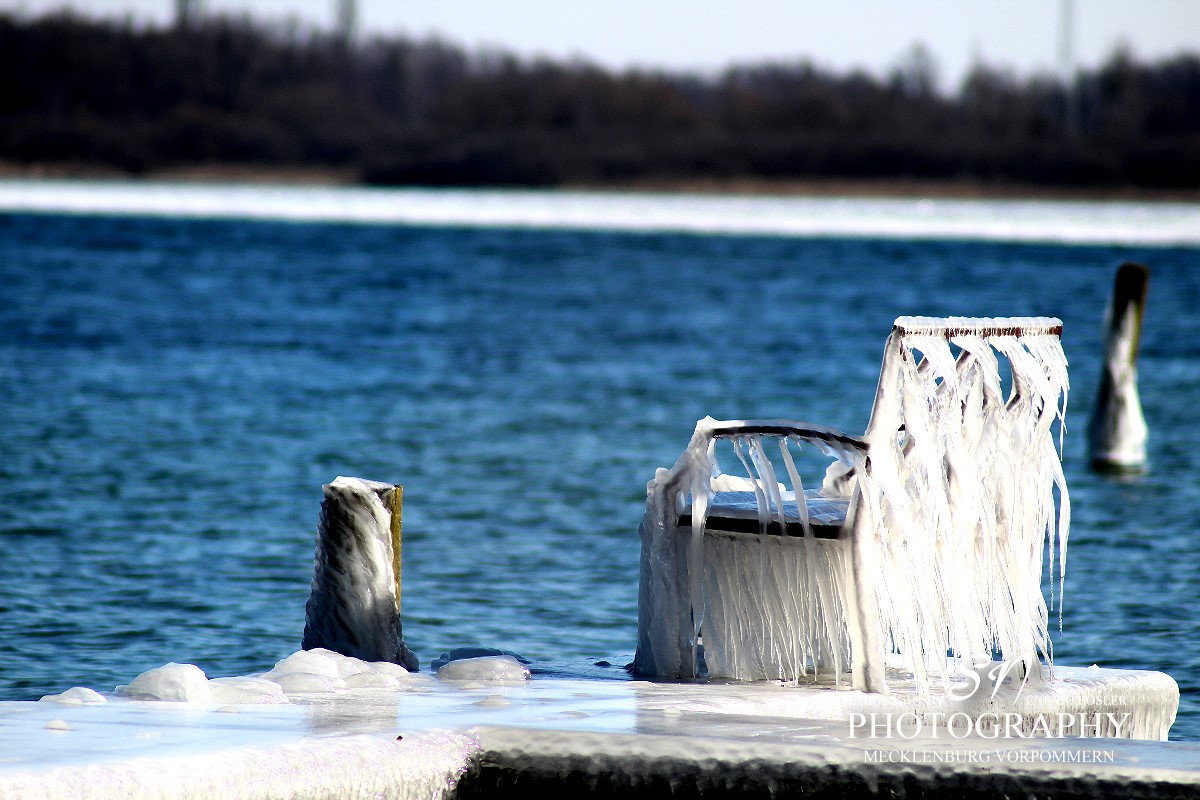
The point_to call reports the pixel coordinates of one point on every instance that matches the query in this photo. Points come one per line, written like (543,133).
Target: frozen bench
(925,538)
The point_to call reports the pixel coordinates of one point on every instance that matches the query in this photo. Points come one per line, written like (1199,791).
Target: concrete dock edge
(536,764)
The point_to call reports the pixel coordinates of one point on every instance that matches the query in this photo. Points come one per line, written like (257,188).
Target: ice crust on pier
(301,675)
(76,696)
(957,501)
(423,740)
(352,729)
(262,766)
(486,669)
(182,683)
(417,701)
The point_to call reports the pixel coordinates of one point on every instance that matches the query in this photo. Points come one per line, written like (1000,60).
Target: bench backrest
(957,504)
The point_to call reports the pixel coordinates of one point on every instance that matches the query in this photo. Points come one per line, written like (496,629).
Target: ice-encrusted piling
(947,505)
(1117,432)
(354,607)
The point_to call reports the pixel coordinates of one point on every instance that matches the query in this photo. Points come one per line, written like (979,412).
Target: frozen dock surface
(557,736)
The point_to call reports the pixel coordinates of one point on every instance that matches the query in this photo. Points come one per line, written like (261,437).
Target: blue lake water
(176,391)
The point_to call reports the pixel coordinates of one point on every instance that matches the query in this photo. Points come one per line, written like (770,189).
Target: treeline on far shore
(232,92)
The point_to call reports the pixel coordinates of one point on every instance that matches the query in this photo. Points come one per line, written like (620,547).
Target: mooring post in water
(1117,432)
(354,606)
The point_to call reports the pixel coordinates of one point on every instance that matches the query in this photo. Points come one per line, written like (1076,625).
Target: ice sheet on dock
(419,738)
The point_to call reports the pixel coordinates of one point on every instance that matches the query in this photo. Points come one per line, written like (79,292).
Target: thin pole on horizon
(187,13)
(1066,62)
(345,19)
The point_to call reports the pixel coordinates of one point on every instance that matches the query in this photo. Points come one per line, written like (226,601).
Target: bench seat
(737,512)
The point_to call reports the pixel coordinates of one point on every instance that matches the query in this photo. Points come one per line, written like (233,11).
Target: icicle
(797,489)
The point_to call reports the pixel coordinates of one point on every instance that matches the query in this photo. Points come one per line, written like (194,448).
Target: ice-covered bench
(925,539)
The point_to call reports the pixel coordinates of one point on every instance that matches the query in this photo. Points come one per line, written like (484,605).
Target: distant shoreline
(833,187)
(234,101)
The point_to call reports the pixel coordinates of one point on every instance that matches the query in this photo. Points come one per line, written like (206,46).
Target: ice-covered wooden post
(354,606)
(925,538)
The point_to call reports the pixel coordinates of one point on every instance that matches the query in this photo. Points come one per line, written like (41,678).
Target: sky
(707,35)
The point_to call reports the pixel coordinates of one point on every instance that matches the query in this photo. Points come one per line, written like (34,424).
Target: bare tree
(1066,63)
(916,71)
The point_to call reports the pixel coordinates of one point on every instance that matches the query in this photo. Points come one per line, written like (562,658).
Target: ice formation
(486,669)
(301,675)
(1117,432)
(354,607)
(1142,704)
(459,653)
(181,683)
(949,508)
(76,696)
(432,740)
(120,754)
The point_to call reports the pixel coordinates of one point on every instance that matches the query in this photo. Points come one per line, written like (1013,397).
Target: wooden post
(396,509)
(348,609)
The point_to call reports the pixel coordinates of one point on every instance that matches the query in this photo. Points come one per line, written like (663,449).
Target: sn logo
(975,668)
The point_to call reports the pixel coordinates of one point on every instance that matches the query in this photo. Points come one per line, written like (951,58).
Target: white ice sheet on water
(1159,224)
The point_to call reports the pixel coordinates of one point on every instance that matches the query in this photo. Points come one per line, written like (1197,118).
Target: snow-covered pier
(483,728)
